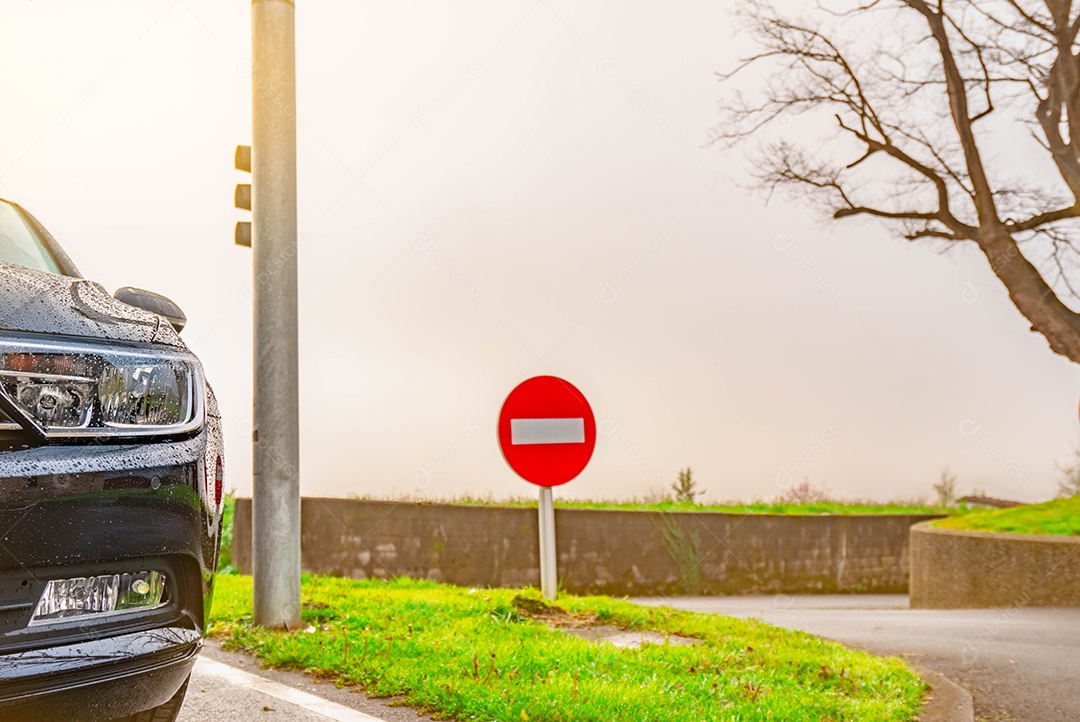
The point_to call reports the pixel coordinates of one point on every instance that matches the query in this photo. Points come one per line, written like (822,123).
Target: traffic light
(242,196)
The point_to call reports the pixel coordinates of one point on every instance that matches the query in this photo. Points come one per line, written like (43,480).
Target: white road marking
(547,431)
(309,702)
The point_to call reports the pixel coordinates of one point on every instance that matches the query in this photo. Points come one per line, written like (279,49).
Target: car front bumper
(80,511)
(97,679)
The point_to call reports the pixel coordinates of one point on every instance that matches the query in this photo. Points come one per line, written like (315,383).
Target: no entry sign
(547,431)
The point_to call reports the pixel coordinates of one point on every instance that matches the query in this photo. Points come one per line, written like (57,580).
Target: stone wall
(952,569)
(602,552)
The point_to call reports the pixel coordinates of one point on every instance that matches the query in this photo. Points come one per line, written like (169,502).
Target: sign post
(547,433)
(549,574)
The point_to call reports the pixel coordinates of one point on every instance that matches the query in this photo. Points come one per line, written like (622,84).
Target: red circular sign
(547,431)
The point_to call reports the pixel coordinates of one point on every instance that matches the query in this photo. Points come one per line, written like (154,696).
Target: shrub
(805,493)
(686,489)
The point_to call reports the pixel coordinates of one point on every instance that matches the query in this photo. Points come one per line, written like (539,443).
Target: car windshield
(21,244)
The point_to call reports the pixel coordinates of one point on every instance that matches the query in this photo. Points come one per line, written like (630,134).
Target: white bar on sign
(547,431)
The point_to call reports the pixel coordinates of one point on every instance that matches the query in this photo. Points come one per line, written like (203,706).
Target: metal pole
(549,579)
(275,437)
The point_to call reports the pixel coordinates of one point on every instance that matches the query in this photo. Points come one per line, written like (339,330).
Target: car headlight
(68,389)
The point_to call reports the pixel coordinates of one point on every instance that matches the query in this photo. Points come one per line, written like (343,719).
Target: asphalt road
(1020,665)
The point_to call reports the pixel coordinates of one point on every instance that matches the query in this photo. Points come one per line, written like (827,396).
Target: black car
(111,466)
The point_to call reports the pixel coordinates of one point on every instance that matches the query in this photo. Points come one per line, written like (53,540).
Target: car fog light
(92,596)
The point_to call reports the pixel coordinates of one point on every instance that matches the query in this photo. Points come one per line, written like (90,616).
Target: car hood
(38,302)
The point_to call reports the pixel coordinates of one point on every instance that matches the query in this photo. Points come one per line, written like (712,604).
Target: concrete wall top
(618,552)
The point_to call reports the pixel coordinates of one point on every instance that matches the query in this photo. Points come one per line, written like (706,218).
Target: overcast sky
(491,191)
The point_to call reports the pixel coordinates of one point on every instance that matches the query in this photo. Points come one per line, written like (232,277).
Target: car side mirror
(154,303)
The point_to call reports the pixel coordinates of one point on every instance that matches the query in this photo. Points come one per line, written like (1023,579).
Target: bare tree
(805,493)
(946,489)
(951,120)
(1069,484)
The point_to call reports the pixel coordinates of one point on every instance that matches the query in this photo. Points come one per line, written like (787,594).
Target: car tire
(162,713)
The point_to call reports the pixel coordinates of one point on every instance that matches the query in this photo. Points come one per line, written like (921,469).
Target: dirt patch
(631,639)
(587,626)
(554,616)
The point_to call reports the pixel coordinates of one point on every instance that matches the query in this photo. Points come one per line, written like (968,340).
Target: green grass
(225,565)
(472,654)
(1060,516)
(913,506)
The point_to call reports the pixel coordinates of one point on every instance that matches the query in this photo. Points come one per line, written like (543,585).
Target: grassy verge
(737,507)
(487,655)
(225,565)
(1060,516)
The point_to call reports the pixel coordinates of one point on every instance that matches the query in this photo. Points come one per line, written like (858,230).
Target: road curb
(230,696)
(946,701)
(291,695)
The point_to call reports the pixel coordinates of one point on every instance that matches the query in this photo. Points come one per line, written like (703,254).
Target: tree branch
(895,215)
(943,214)
(958,105)
(1041,219)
